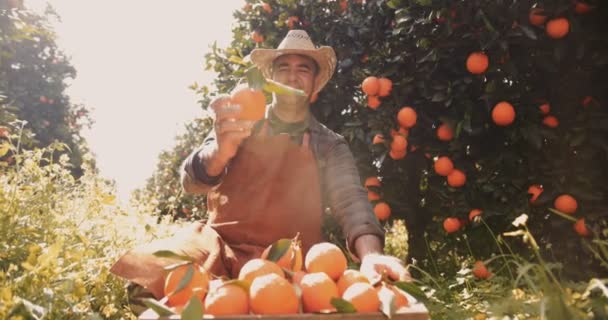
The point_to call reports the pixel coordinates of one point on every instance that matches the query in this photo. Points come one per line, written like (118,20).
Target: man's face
(296,71)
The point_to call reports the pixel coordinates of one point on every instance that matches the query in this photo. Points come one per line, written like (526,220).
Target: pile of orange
(375,88)
(266,287)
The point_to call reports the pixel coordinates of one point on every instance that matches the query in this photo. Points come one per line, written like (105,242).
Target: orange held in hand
(477,63)
(179,294)
(503,114)
(317,291)
(325,257)
(272,294)
(252,102)
(393,292)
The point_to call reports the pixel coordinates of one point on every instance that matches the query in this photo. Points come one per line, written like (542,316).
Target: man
(264,181)
(268,177)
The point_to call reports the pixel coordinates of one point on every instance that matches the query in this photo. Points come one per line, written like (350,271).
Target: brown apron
(272,191)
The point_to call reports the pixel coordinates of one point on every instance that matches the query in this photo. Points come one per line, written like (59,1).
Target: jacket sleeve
(193,175)
(347,197)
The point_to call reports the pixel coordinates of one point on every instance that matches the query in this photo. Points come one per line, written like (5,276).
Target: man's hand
(375,265)
(229,131)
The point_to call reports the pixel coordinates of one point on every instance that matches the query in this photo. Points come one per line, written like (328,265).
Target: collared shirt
(341,188)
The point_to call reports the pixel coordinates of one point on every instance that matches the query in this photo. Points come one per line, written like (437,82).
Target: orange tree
(511,92)
(33,75)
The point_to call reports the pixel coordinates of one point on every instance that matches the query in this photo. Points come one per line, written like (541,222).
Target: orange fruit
(480,271)
(551,121)
(325,257)
(372,182)
(503,114)
(378,139)
(3,132)
(545,108)
(385,86)
(252,102)
(444,166)
(451,225)
(557,28)
(581,228)
(407,117)
(537,16)
(291,259)
(587,100)
(402,131)
(259,267)
(535,190)
(257,37)
(582,8)
(273,294)
(372,196)
(477,62)
(398,296)
(198,285)
(456,178)
(363,297)
(382,211)
(291,21)
(474,213)
(373,102)
(445,132)
(350,277)
(399,143)
(566,204)
(397,155)
(370,86)
(228,299)
(317,291)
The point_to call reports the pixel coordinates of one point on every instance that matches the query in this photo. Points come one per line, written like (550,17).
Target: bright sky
(135,60)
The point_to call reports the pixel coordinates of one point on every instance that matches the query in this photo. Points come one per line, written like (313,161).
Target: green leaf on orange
(411,289)
(343,306)
(193,310)
(184,281)
(278,249)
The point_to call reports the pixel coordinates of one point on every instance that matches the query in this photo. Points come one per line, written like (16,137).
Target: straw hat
(298,42)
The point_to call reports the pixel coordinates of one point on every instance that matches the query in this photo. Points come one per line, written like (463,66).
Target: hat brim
(325,57)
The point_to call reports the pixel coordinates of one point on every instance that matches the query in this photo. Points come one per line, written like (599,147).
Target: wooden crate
(416,311)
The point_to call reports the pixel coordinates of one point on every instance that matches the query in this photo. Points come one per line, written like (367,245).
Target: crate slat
(416,311)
